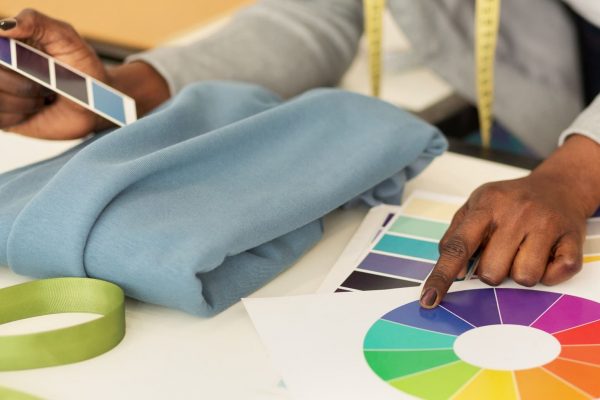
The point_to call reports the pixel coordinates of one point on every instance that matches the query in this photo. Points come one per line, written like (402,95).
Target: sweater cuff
(587,124)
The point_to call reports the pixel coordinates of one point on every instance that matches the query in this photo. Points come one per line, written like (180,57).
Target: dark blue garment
(589,45)
(210,197)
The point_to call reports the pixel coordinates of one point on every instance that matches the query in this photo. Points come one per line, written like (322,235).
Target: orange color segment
(536,383)
(584,334)
(589,354)
(585,377)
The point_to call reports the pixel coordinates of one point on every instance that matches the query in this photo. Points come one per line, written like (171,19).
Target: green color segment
(437,384)
(394,364)
(405,246)
(419,227)
(388,335)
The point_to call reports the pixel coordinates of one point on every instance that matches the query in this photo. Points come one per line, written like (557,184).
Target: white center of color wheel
(506,347)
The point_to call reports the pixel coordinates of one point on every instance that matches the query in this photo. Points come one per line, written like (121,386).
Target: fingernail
(8,24)
(429,297)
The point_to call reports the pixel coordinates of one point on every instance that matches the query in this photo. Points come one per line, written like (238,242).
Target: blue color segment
(408,247)
(597,213)
(108,102)
(436,320)
(478,307)
(5,51)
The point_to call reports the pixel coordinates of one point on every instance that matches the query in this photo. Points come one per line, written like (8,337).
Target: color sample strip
(593,227)
(489,385)
(568,312)
(591,245)
(449,379)
(478,307)
(588,354)
(390,335)
(583,376)
(394,364)
(401,267)
(419,227)
(364,281)
(408,247)
(437,319)
(522,307)
(64,80)
(437,210)
(596,214)
(583,334)
(537,383)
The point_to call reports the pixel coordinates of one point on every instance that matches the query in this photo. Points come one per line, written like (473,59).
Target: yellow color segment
(490,385)
(373,15)
(432,209)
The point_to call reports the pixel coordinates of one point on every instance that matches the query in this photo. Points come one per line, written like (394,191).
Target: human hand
(531,229)
(24,104)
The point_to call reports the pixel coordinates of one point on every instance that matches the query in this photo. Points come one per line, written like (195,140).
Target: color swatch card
(68,82)
(398,246)
(481,343)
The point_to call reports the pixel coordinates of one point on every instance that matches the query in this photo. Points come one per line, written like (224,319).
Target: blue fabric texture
(211,196)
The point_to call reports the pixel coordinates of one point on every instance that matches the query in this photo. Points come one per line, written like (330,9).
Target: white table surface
(168,354)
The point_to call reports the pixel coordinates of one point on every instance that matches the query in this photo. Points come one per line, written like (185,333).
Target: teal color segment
(388,335)
(419,227)
(408,247)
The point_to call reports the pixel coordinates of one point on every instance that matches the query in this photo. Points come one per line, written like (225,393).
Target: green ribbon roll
(66,345)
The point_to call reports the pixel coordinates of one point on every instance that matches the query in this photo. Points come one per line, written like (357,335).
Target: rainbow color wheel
(490,344)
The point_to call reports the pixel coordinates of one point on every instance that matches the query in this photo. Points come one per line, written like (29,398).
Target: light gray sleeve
(288,46)
(587,124)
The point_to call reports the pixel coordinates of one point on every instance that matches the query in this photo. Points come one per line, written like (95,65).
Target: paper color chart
(68,82)
(406,249)
(420,352)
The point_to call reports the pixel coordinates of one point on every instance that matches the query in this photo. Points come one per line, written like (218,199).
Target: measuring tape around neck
(487,21)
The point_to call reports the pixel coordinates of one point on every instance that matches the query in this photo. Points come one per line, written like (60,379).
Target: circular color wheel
(412,349)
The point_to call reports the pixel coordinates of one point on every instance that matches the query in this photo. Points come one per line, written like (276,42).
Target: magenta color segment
(568,312)
(521,306)
(436,320)
(478,307)
(396,266)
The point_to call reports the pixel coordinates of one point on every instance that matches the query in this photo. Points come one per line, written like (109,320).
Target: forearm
(288,46)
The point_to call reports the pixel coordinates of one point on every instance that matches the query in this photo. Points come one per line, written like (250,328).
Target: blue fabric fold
(211,196)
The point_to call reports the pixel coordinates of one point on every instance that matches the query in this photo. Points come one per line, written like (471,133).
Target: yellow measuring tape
(487,21)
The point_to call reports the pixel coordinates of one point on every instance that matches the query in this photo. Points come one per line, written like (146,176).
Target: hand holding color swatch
(25,105)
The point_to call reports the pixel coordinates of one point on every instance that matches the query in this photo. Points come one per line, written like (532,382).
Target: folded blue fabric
(211,196)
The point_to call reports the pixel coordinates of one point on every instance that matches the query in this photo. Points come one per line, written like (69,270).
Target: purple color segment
(478,307)
(71,83)
(33,63)
(388,219)
(400,267)
(522,306)
(436,320)
(568,312)
(5,51)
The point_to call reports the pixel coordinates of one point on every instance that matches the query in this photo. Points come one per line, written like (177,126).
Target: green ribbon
(66,345)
